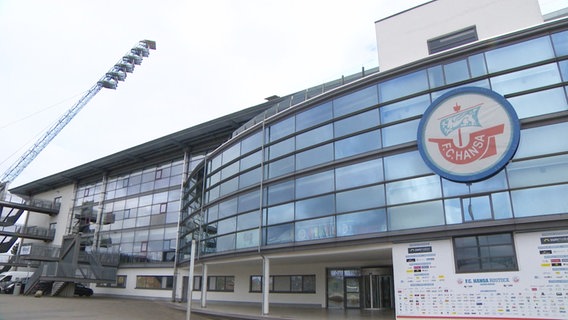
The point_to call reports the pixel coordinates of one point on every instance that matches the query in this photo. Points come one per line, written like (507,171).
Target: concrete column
(204,286)
(265,284)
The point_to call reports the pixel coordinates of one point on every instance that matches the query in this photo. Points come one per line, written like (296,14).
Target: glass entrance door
(378,291)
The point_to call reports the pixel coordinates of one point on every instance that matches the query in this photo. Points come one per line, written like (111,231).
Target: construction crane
(109,80)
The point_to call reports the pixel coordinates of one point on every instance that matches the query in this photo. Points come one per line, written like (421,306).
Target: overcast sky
(212,58)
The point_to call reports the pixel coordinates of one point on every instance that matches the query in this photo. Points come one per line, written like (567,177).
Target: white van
(9,276)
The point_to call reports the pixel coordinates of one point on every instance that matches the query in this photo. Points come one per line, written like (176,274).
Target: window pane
(280,192)
(227,225)
(365,198)
(425,214)
(405,165)
(361,222)
(228,208)
(519,54)
(281,284)
(281,213)
(456,71)
(359,174)
(247,239)
(436,76)
(314,184)
(281,167)
(251,160)
(477,65)
(501,205)
(231,153)
(281,129)
(538,171)
(355,101)
(252,142)
(560,41)
(314,156)
(413,190)
(539,103)
(358,144)
(536,141)
(281,148)
(249,201)
(405,109)
(313,116)
(256,283)
(403,86)
(315,207)
(250,178)
(226,243)
(400,133)
(314,136)
(526,79)
(280,234)
(315,229)
(248,220)
(497,182)
(477,208)
(356,123)
(540,201)
(309,284)
(453,211)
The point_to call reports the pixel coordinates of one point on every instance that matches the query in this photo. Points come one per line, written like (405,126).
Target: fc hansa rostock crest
(468,134)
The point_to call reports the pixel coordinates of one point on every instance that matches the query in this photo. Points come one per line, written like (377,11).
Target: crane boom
(109,80)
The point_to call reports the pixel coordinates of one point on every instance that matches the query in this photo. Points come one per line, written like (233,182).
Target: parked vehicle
(81,290)
(10,286)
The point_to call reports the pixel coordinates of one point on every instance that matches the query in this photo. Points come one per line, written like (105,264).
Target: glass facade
(139,213)
(349,166)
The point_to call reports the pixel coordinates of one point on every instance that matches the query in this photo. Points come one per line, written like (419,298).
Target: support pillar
(265,284)
(204,286)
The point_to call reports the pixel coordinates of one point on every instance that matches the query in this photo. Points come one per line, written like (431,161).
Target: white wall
(402,38)
(131,289)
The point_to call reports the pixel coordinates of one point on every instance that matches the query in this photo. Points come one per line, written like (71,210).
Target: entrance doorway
(369,288)
(377,291)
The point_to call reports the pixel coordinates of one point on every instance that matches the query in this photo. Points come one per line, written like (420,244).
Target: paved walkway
(107,307)
(250,311)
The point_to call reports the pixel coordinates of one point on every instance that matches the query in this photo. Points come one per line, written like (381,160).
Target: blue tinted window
(229,186)
(497,182)
(405,109)
(400,133)
(359,174)
(526,79)
(537,141)
(539,103)
(248,220)
(280,167)
(281,148)
(231,153)
(314,156)
(313,116)
(225,243)
(252,142)
(281,213)
(540,201)
(358,144)
(356,123)
(229,170)
(477,65)
(538,171)
(228,208)
(519,54)
(249,178)
(314,184)
(251,160)
(560,41)
(564,69)
(425,214)
(501,205)
(280,192)
(359,199)
(413,190)
(481,83)
(405,165)
(456,71)
(355,101)
(280,234)
(315,207)
(453,211)
(403,86)
(477,208)
(361,222)
(315,229)
(281,129)
(314,136)
(249,201)
(227,225)
(247,239)
(436,76)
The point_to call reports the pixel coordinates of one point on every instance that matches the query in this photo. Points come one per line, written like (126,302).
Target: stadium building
(435,187)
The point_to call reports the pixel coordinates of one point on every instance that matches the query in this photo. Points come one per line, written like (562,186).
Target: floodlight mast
(109,81)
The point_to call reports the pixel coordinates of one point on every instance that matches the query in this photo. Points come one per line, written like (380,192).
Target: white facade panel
(402,38)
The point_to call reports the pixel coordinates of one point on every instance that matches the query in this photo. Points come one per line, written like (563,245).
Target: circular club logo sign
(468,134)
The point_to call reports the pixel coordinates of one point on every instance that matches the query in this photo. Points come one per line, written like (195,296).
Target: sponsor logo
(468,134)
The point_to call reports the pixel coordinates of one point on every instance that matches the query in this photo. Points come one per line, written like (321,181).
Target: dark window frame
(483,260)
(224,287)
(271,285)
(452,39)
